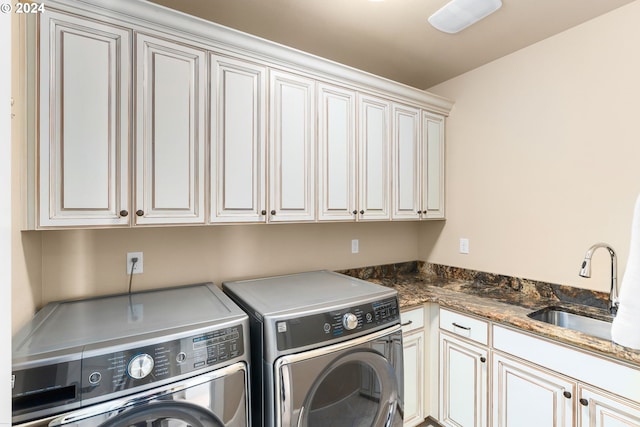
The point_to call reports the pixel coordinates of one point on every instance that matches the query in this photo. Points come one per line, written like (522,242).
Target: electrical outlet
(464,245)
(137,268)
(355,246)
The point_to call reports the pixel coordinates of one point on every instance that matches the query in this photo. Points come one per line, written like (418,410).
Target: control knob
(140,366)
(350,321)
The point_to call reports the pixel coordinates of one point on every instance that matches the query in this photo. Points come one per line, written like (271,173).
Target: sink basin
(564,318)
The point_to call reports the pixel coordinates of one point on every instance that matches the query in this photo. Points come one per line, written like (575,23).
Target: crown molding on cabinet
(157,18)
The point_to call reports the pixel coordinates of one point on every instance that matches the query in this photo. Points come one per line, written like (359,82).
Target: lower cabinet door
(413,355)
(463,383)
(597,408)
(525,395)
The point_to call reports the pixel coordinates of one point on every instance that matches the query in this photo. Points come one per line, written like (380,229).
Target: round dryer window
(167,413)
(353,388)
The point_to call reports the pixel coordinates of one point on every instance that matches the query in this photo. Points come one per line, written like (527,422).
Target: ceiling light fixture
(457,15)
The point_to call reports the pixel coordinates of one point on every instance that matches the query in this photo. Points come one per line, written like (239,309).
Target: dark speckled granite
(501,299)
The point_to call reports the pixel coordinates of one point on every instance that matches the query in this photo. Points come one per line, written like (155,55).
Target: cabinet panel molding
(292,145)
(414,377)
(406,162)
(170,141)
(433,166)
(374,155)
(336,153)
(598,408)
(84,140)
(463,382)
(528,396)
(238,158)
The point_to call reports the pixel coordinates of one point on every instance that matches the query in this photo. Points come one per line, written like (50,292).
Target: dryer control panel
(344,322)
(133,367)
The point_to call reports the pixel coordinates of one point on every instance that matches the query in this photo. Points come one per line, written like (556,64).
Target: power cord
(134,260)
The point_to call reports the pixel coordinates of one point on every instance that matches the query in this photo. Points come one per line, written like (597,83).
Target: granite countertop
(501,299)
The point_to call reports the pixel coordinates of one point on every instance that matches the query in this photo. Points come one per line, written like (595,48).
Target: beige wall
(543,155)
(93,262)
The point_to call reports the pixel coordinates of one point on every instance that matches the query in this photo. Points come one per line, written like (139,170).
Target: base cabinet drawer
(465,326)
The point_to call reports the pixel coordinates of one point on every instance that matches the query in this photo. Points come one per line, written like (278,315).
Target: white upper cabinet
(432,166)
(374,147)
(406,162)
(141,116)
(238,138)
(418,164)
(292,148)
(170,136)
(84,108)
(336,153)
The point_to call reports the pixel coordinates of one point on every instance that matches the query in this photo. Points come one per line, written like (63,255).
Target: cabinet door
(406,162)
(525,395)
(170,143)
(238,159)
(292,148)
(599,408)
(85,69)
(337,155)
(432,166)
(414,375)
(463,383)
(374,147)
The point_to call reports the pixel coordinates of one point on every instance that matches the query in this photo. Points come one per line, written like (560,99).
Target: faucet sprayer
(585,271)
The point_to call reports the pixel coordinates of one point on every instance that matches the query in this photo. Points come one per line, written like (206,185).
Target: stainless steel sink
(571,320)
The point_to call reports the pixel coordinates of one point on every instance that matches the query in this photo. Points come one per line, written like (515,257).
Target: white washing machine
(326,350)
(168,358)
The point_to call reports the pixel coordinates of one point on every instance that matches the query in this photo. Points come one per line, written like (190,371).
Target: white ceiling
(392,38)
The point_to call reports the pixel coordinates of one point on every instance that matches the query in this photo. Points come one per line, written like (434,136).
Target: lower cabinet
(598,408)
(537,382)
(463,387)
(463,384)
(414,350)
(528,396)
(466,371)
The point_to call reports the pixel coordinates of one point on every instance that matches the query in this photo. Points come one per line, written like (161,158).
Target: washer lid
(66,325)
(304,291)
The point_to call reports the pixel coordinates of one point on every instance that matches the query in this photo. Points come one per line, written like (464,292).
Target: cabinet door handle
(140,212)
(124,213)
(354,212)
(483,359)
(567,394)
(273,212)
(466,328)
(407,323)
(584,402)
(362,212)
(263,212)
(419,212)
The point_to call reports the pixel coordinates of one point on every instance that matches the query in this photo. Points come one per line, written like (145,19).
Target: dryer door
(355,385)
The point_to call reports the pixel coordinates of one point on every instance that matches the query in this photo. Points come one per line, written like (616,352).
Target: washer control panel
(322,327)
(122,370)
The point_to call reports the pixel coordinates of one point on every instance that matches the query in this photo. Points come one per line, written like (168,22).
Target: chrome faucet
(585,271)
